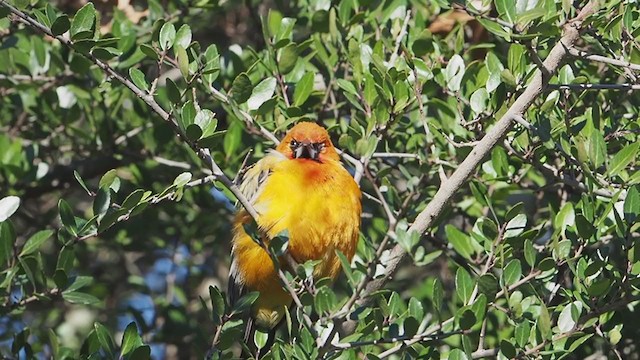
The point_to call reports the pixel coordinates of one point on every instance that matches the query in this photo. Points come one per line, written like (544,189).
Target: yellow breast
(319,205)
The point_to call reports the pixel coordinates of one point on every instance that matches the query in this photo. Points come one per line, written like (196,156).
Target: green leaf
(149,51)
(454,72)
(131,340)
(479,100)
(632,204)
(488,285)
(599,287)
(324,300)
(133,199)
(245,302)
(53,341)
(187,115)
(569,316)
(141,353)
(274,20)
(67,217)
(346,267)
(457,354)
(585,227)
(218,305)
(347,86)
(416,310)
(522,332)
(75,297)
(495,29)
(7,240)
(205,119)
(507,349)
(303,89)
(173,92)
(576,343)
(241,88)
(506,9)
(167,36)
(437,294)
(543,322)
(260,338)
(615,335)
(467,319)
(8,206)
(107,180)
(514,211)
(530,15)
(232,138)
(81,182)
(565,217)
(460,241)
(183,61)
(464,285)
(407,240)
(530,253)
(411,326)
(182,179)
(261,93)
(137,77)
(288,58)
(280,243)
(183,37)
(623,158)
(369,92)
(105,53)
(512,272)
(516,226)
(61,25)
(102,201)
(78,283)
(35,241)
(83,22)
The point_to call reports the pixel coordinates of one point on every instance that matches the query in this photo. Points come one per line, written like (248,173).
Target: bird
(302,188)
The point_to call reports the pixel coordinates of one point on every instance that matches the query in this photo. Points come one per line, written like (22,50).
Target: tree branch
(426,218)
(595,86)
(603,59)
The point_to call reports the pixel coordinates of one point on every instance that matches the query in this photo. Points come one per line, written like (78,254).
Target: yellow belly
(319,205)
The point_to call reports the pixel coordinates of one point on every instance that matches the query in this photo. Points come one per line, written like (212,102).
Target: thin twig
(603,59)
(401,35)
(595,86)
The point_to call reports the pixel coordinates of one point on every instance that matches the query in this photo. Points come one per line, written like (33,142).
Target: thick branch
(448,189)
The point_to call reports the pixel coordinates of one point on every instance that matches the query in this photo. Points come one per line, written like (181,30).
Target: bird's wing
(257,175)
(251,187)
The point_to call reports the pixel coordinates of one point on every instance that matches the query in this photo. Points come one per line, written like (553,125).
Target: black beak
(306,151)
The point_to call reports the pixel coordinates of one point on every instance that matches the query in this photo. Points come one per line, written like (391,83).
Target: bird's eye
(294,143)
(321,146)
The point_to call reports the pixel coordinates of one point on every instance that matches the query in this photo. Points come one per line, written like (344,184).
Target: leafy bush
(496,144)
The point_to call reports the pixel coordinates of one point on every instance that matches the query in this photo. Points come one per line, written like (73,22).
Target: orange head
(308,141)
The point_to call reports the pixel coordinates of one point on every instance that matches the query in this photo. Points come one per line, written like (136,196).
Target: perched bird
(303,188)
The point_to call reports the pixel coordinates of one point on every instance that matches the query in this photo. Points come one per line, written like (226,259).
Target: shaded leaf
(35,241)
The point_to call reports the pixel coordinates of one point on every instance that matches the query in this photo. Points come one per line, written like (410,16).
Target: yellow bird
(303,188)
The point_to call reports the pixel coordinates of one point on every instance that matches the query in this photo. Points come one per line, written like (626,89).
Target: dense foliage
(125,125)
